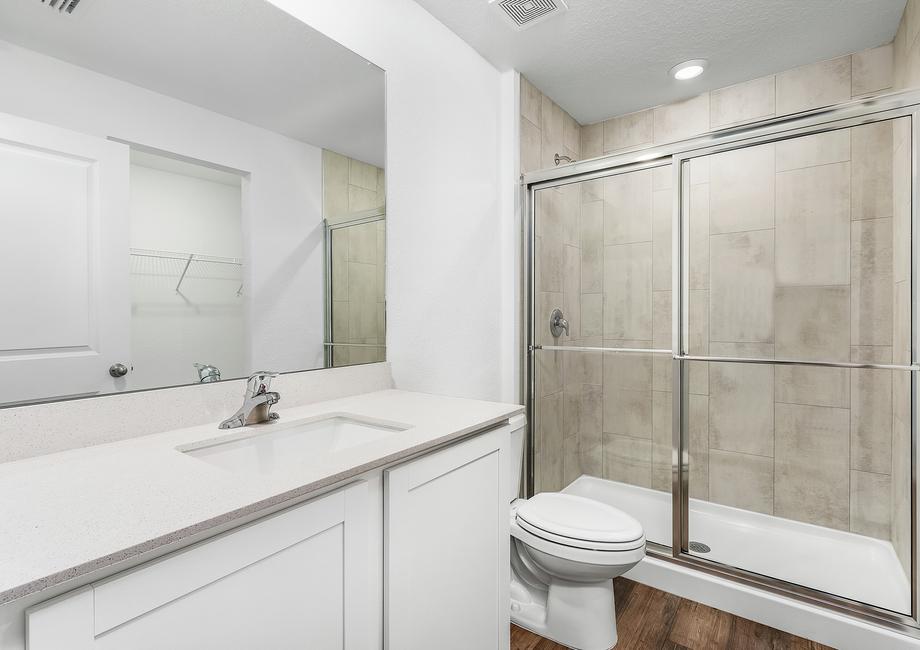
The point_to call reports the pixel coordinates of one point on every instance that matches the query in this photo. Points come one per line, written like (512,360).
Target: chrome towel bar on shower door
(756,360)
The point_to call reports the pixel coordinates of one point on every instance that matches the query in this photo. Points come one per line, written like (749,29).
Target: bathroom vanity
(326,529)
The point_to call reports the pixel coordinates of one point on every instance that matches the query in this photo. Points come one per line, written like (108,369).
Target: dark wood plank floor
(648,619)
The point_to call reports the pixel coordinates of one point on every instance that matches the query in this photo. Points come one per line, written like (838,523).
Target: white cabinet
(447,548)
(414,557)
(296,579)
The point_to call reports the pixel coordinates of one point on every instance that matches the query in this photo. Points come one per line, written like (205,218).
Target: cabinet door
(447,548)
(296,579)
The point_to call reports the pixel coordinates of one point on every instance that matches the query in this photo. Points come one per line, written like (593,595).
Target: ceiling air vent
(522,14)
(63,6)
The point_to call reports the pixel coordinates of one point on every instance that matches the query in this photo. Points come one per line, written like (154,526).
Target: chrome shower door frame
(328,228)
(847,115)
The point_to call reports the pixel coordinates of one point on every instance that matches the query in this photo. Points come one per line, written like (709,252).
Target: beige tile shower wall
(811,86)
(805,273)
(819,445)
(907,48)
(546,130)
(352,188)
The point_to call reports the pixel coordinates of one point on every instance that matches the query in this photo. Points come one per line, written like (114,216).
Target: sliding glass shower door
(602,322)
(722,346)
(799,272)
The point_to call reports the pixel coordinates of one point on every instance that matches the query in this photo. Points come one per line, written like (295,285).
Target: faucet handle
(259,382)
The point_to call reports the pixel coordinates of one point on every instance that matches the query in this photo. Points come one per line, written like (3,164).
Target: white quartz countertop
(71,513)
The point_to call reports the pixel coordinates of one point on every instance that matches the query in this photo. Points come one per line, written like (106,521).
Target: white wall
(282,194)
(447,226)
(204,323)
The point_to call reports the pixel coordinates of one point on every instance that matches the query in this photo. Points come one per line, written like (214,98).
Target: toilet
(565,552)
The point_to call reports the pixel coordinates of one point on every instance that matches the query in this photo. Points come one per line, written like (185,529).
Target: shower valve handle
(558,324)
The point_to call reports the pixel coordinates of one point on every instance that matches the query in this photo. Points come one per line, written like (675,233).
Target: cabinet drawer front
(293,579)
(127,596)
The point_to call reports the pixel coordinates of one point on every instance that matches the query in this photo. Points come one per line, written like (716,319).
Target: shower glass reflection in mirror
(186,214)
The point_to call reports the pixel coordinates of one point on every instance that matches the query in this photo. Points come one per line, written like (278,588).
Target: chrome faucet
(257,402)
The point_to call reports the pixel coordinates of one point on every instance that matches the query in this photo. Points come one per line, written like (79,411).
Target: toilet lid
(579,518)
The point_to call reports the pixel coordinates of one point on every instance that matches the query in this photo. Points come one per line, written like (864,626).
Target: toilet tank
(518,435)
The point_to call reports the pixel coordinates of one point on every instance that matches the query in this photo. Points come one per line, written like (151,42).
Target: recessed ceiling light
(688,69)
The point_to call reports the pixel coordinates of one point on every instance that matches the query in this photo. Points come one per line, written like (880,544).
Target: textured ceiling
(243,58)
(608,57)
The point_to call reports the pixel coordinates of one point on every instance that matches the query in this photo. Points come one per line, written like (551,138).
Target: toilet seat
(579,522)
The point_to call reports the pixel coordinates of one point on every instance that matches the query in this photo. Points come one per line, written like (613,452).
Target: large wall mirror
(189,191)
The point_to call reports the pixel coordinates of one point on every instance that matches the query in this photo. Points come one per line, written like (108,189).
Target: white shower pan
(844,564)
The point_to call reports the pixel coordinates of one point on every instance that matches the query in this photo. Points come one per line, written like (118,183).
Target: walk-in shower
(739,367)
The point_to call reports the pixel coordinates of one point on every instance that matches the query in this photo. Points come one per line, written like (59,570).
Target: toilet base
(577,615)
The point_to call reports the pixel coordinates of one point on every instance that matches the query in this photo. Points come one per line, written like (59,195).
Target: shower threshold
(844,564)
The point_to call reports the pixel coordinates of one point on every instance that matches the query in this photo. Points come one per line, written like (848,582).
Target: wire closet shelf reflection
(230,268)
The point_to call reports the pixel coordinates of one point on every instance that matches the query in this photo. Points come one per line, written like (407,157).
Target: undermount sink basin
(269,448)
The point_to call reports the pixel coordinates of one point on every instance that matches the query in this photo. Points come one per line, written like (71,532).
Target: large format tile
(627,370)
(871,420)
(362,243)
(628,208)
(570,206)
(531,102)
(551,435)
(814,386)
(813,150)
(744,102)
(681,120)
(741,189)
(699,233)
(628,291)
(583,410)
(901,476)
(901,193)
(531,147)
(550,239)
(662,221)
(873,70)
(698,435)
(870,504)
(628,460)
(662,440)
(812,465)
(592,140)
(628,412)
(546,302)
(362,290)
(741,400)
(628,390)
(661,319)
(872,282)
(872,170)
(741,481)
(552,128)
(592,314)
(335,184)
(813,225)
(549,371)
(590,429)
(741,300)
(592,247)
(812,323)
(812,86)
(362,174)
(571,136)
(627,131)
